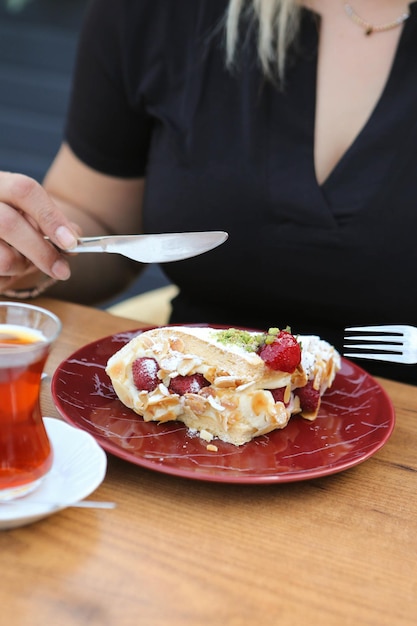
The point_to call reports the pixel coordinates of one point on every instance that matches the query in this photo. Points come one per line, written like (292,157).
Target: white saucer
(78,468)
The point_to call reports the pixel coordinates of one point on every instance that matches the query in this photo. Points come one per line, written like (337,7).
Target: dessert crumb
(204,434)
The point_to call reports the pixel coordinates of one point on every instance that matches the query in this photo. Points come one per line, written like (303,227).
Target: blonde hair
(277,25)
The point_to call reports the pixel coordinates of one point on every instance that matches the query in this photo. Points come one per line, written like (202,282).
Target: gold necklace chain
(374,28)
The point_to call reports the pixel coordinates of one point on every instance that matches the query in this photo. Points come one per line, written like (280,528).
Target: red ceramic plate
(356,419)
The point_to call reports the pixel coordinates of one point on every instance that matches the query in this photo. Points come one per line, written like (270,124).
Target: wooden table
(336,551)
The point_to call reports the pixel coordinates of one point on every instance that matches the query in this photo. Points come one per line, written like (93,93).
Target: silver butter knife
(155,248)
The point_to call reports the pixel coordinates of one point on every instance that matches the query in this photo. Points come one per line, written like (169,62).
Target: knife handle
(86,244)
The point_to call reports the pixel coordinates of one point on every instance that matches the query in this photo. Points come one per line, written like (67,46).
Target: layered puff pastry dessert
(229,384)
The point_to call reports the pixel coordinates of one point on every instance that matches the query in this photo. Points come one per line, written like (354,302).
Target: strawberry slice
(145,373)
(278,395)
(283,353)
(188,384)
(309,397)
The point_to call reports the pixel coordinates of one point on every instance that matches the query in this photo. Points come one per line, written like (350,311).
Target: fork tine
(392,358)
(389,328)
(389,347)
(386,338)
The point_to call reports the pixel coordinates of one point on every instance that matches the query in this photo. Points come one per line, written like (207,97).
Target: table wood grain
(339,550)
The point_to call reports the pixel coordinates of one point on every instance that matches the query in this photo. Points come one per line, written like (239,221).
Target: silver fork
(394,343)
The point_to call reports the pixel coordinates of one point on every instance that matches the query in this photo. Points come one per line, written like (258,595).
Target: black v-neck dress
(220,150)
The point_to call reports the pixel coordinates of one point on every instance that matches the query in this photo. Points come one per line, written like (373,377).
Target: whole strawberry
(187,384)
(145,373)
(281,351)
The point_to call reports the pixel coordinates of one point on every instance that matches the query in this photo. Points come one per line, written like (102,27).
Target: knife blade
(154,248)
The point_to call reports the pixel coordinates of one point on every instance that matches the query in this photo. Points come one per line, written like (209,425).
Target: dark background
(37,49)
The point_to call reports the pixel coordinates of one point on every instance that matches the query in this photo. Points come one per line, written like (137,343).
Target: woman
(291,127)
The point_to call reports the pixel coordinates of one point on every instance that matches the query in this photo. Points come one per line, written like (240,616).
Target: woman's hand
(27,214)
(74,199)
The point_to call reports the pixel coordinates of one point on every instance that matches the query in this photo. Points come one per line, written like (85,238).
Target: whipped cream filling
(313,348)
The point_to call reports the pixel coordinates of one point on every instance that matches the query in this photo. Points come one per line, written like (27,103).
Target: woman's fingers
(7,282)
(27,195)
(21,243)
(27,213)
(12,263)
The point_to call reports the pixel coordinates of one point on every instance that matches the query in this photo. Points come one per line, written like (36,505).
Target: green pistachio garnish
(248,341)
(271,335)
(241,338)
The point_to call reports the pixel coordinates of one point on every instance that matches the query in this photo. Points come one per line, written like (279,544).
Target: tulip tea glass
(26,336)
